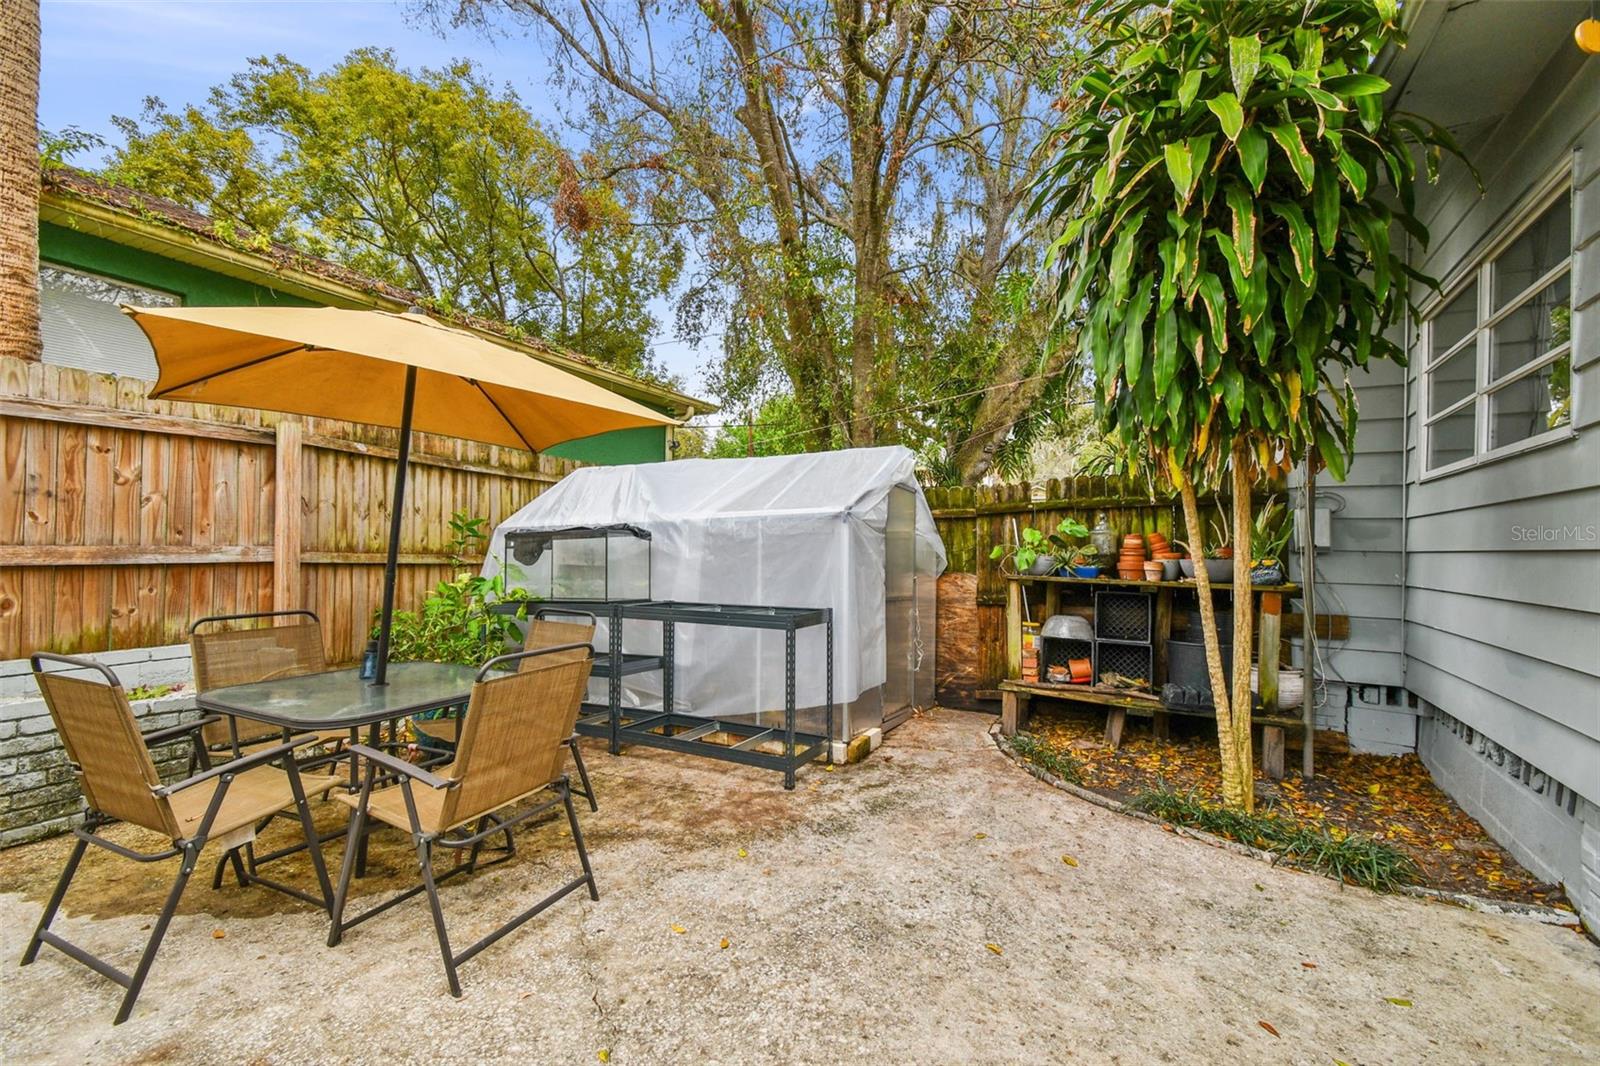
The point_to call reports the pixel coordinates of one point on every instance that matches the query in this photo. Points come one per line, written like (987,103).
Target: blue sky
(103,57)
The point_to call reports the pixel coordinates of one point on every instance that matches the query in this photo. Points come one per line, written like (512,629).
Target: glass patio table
(343,699)
(340,699)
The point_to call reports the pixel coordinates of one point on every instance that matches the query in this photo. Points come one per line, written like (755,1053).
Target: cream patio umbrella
(401,370)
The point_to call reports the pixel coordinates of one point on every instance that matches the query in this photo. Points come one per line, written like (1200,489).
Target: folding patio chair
(510,751)
(240,656)
(112,762)
(543,635)
(224,657)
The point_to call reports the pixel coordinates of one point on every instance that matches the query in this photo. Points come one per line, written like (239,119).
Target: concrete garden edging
(1527,911)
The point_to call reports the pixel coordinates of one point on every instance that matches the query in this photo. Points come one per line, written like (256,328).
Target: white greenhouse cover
(791,531)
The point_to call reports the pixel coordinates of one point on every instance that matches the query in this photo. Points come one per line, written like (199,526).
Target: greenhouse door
(900,605)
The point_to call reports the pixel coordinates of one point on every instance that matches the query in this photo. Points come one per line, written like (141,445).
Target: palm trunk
(1243,621)
(19,180)
(1237,791)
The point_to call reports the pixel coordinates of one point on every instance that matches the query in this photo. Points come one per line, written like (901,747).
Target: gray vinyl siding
(1502,631)
(1360,574)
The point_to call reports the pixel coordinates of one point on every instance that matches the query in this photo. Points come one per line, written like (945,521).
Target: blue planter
(1085,571)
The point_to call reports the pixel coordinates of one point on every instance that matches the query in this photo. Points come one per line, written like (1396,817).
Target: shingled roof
(283,259)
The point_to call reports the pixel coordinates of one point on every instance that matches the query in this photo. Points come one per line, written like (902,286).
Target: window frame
(1480,337)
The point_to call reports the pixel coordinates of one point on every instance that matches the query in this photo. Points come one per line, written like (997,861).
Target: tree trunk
(1237,791)
(1243,616)
(19,180)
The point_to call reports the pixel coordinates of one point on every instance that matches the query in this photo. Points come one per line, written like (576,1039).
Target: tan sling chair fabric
(542,633)
(511,747)
(114,768)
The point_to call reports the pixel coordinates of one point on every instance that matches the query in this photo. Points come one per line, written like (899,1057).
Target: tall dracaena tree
(1225,186)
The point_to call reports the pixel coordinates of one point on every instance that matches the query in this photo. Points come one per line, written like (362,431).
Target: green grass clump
(1360,860)
(1047,758)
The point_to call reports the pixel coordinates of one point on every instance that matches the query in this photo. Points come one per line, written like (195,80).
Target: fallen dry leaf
(1069,860)
(979,836)
(743,854)
(1268,1027)
(996,948)
(604,1054)
(676,928)
(1309,965)
(725,943)
(1397,1001)
(218,934)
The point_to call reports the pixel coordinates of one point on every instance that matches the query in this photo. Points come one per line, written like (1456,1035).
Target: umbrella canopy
(382,368)
(329,362)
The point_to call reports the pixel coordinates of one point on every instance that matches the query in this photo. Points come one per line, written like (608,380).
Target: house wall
(1497,624)
(205,288)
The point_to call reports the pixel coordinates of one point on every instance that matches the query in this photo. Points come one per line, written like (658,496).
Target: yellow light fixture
(1588,36)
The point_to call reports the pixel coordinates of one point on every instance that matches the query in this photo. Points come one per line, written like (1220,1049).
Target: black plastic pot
(1186,662)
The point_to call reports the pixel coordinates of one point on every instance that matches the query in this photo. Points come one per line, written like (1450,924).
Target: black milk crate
(1125,616)
(1055,651)
(1128,659)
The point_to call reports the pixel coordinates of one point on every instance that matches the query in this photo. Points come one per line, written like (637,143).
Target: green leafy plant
(1269,535)
(1035,543)
(1047,758)
(457,622)
(1359,860)
(1223,190)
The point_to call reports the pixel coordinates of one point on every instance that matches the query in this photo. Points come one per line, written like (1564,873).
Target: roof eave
(88,215)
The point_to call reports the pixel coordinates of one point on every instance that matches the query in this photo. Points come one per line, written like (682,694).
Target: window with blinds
(84,329)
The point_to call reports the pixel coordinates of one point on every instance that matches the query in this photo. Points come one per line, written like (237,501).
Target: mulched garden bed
(1389,798)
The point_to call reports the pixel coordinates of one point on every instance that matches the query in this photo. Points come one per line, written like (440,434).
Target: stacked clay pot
(1130,563)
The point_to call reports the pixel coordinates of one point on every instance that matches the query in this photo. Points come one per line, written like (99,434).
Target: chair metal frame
(486,826)
(246,870)
(587,788)
(188,848)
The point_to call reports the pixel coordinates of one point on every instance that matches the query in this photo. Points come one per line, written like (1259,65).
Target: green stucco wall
(203,288)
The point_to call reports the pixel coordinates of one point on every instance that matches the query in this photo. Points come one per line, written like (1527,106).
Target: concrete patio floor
(857,919)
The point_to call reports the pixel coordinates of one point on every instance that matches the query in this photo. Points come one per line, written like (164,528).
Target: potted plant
(1218,556)
(1039,553)
(1086,562)
(1270,535)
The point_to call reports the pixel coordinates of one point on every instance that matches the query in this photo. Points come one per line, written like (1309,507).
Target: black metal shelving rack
(686,733)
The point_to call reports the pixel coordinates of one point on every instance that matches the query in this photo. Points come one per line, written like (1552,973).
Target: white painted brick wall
(38,793)
(134,667)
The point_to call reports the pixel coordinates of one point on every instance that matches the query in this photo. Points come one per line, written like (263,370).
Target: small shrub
(1047,758)
(1359,860)
(457,623)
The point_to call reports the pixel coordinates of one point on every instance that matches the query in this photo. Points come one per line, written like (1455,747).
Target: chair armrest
(174,732)
(239,766)
(411,770)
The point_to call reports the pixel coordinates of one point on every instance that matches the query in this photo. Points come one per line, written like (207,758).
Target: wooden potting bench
(1017,696)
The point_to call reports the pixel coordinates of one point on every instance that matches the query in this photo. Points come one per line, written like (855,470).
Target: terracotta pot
(1131,573)
(1080,670)
(1152,571)
(1224,553)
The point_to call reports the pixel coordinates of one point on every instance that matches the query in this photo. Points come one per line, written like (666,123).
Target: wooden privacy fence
(972,602)
(123,519)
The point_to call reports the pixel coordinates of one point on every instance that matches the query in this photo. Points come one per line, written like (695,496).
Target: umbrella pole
(386,619)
